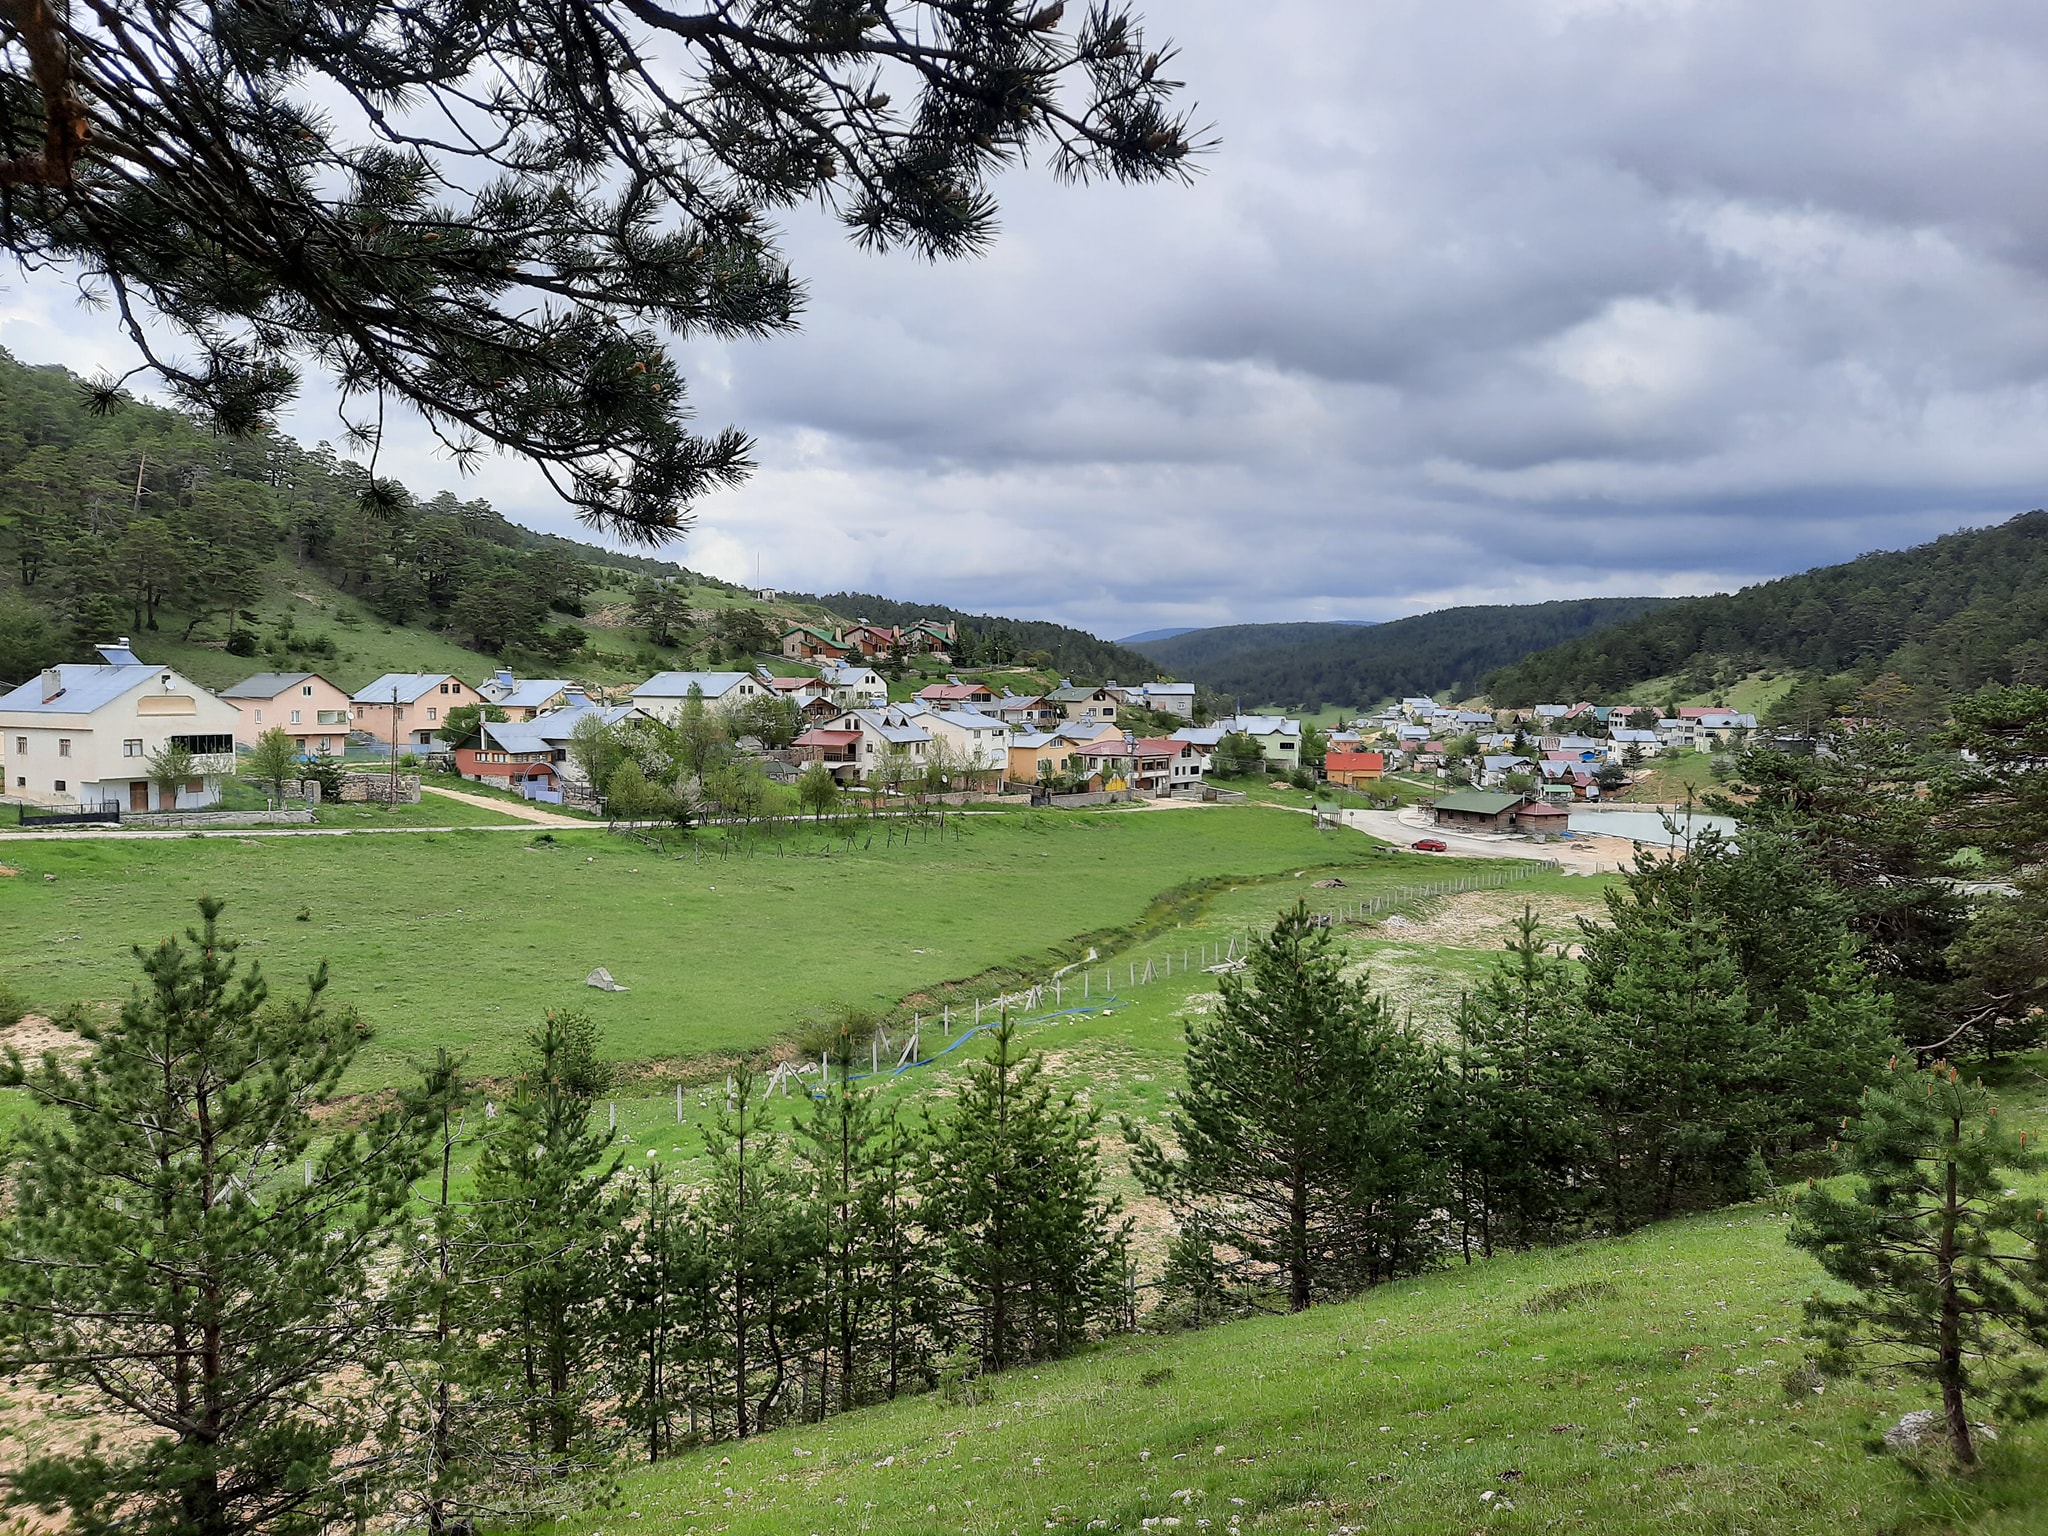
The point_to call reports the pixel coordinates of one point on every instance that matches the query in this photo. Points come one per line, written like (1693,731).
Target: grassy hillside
(1948,616)
(1649,1384)
(225,557)
(1450,650)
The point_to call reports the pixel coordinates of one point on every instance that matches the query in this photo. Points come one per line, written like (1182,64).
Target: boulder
(1927,1429)
(602,980)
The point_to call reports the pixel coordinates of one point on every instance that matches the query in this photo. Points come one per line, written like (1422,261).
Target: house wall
(307,710)
(417,721)
(103,755)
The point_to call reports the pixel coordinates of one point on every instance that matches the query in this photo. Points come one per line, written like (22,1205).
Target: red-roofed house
(837,750)
(1351,769)
(952,695)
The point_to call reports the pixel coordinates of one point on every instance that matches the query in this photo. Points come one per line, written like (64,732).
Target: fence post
(679,1103)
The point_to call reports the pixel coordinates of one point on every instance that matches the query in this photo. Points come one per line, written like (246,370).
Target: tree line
(138,519)
(478,1304)
(1309,665)
(1949,617)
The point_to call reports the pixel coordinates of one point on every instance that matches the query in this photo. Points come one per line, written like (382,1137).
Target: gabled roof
(676,685)
(1031,741)
(407,686)
(1072,695)
(967,719)
(81,689)
(1340,762)
(533,692)
(827,738)
(1199,735)
(1483,802)
(268,685)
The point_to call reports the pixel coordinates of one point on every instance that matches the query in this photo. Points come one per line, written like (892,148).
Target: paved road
(1580,856)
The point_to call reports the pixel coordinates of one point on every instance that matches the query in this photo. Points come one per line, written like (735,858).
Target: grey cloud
(1496,301)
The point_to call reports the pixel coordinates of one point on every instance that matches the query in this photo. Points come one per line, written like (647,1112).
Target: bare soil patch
(35,1036)
(1486,919)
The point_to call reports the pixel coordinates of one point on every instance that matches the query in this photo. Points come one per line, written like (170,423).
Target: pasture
(461,939)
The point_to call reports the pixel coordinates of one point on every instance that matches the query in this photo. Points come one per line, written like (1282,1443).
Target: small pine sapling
(1946,1266)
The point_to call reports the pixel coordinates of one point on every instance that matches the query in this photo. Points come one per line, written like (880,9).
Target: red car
(1430,845)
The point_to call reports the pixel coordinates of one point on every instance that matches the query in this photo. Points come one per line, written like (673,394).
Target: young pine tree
(1011,1193)
(761,1249)
(854,1161)
(659,1313)
(548,1205)
(1303,1148)
(1516,1136)
(431,1444)
(1947,1271)
(1674,1059)
(182,1250)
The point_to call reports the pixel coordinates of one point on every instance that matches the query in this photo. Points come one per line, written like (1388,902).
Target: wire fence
(1094,987)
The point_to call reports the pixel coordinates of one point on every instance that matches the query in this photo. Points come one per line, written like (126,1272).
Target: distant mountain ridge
(1949,616)
(1343,662)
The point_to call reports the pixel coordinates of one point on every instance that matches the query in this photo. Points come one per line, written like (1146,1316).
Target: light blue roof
(533,692)
(968,719)
(81,689)
(676,685)
(409,686)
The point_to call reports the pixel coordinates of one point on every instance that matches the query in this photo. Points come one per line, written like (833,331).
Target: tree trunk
(1951,1340)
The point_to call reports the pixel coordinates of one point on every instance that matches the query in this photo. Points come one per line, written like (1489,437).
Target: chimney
(53,683)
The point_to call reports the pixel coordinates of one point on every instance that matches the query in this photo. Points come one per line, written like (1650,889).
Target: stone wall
(199,821)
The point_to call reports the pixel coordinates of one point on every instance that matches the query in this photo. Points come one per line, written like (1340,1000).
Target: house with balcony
(978,743)
(838,750)
(892,743)
(312,711)
(85,735)
(406,709)
(1080,703)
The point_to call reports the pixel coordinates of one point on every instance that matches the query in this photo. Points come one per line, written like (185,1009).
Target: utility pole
(394,746)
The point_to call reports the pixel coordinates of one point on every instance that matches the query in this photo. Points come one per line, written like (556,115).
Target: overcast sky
(1486,302)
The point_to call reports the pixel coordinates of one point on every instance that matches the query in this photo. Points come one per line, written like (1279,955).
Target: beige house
(406,708)
(84,736)
(314,711)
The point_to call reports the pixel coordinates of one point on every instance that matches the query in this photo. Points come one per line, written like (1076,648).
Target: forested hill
(990,638)
(1316,664)
(1949,616)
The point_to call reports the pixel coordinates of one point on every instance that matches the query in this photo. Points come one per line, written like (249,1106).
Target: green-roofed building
(1484,810)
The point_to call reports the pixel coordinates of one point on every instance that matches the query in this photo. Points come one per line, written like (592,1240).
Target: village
(93,743)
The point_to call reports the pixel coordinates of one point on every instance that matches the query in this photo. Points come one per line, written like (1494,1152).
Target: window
(63,746)
(21,746)
(444,689)
(307,691)
(259,717)
(132,748)
(433,713)
(295,717)
(205,746)
(59,787)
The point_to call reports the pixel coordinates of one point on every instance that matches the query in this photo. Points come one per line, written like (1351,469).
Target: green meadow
(461,939)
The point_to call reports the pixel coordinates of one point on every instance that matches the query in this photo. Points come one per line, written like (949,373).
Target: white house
(1278,737)
(1623,737)
(889,739)
(665,693)
(1168,698)
(84,735)
(854,686)
(980,743)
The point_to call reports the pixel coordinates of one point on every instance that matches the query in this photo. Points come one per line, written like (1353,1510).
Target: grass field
(462,938)
(1640,1385)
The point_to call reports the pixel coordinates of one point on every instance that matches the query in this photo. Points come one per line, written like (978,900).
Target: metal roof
(1480,802)
(268,685)
(676,685)
(409,686)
